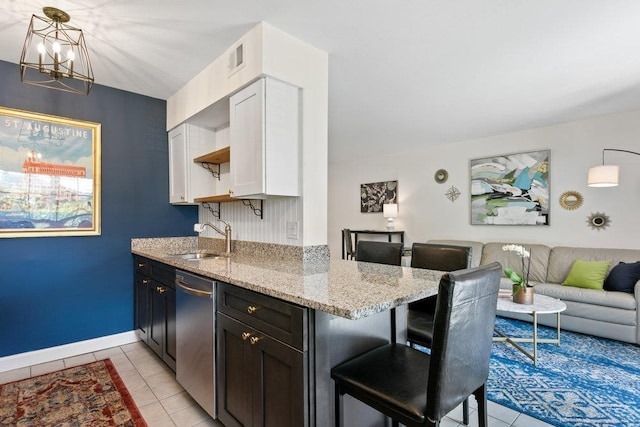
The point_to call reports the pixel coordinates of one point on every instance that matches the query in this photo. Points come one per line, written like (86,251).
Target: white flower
(518,280)
(522,252)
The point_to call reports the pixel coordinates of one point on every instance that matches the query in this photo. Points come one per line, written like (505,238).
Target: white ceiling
(401,73)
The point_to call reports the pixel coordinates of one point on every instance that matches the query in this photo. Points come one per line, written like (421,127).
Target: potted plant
(522,290)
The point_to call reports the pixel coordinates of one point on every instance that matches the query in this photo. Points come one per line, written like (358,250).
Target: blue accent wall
(59,290)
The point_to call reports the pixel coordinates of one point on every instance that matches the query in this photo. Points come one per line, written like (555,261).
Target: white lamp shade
(390,210)
(603,176)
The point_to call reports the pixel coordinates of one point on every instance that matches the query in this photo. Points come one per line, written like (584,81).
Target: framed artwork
(511,189)
(49,175)
(374,195)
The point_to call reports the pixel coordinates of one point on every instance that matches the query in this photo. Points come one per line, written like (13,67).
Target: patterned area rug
(87,395)
(586,381)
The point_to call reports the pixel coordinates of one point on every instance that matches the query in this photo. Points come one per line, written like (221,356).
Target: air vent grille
(236,59)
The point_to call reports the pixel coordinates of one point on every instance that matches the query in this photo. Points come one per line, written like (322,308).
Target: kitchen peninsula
(347,308)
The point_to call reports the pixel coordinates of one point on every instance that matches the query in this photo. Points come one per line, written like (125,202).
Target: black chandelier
(55,54)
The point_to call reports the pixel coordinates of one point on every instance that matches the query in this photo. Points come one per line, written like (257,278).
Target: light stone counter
(349,289)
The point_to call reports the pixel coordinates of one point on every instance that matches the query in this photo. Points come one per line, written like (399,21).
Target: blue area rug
(586,381)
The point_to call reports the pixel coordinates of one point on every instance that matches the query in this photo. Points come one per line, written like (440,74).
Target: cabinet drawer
(163,273)
(142,265)
(160,272)
(284,321)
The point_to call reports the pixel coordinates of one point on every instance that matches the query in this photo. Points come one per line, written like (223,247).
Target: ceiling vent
(236,59)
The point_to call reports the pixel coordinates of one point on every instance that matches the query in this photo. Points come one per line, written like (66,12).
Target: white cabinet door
(188,180)
(247,140)
(264,140)
(178,165)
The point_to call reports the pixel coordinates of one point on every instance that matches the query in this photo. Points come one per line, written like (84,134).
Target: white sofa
(601,313)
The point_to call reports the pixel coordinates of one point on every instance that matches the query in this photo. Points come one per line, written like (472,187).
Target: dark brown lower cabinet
(261,380)
(155,307)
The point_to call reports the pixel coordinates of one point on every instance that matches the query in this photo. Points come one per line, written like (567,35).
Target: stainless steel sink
(195,256)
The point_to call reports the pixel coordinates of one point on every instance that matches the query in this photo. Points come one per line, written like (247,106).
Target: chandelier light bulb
(41,49)
(56,47)
(70,55)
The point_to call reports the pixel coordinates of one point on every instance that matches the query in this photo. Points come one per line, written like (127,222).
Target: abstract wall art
(374,195)
(511,189)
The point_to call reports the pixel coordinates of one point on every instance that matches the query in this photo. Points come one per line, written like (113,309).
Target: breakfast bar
(348,308)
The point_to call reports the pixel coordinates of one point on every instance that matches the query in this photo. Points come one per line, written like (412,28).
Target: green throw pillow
(587,274)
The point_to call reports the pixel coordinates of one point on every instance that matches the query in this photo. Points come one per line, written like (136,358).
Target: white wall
(426,213)
(307,67)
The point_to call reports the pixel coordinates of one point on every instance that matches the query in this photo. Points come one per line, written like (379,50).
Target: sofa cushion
(623,277)
(562,257)
(539,259)
(587,274)
(587,296)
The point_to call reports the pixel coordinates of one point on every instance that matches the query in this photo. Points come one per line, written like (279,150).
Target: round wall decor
(441,176)
(571,200)
(598,221)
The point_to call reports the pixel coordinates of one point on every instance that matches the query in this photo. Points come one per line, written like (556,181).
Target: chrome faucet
(226,233)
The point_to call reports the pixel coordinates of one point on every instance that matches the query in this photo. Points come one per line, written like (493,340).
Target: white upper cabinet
(264,140)
(189,180)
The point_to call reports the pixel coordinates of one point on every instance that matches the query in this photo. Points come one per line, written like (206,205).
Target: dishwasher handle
(195,292)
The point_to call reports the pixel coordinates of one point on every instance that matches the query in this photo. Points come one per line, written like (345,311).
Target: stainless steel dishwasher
(195,329)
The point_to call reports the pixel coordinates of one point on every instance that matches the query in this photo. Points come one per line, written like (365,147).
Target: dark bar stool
(380,252)
(417,389)
(421,313)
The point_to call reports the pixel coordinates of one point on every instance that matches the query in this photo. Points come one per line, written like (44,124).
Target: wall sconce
(390,211)
(55,55)
(606,175)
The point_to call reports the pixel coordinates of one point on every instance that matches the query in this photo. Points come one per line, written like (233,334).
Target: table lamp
(390,211)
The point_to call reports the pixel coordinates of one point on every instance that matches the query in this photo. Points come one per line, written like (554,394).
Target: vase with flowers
(522,290)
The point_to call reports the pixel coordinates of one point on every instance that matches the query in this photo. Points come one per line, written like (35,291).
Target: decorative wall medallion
(598,221)
(452,194)
(441,176)
(571,200)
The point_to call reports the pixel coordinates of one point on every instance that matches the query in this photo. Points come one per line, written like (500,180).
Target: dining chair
(432,257)
(347,244)
(379,252)
(420,314)
(419,389)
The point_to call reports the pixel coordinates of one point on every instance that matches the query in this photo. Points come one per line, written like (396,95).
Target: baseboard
(21,360)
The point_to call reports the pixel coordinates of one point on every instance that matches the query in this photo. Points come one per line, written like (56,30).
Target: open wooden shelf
(215,199)
(217,157)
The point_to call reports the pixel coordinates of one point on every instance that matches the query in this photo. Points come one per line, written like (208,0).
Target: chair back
(440,257)
(380,252)
(347,243)
(462,336)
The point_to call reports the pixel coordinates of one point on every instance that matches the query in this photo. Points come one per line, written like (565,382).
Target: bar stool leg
(338,406)
(465,412)
(481,397)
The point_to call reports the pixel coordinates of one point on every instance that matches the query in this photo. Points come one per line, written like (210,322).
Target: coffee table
(542,304)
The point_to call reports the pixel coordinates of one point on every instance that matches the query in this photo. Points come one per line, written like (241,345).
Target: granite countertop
(348,289)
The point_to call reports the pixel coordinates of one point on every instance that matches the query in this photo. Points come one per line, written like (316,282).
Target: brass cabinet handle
(140,264)
(145,281)
(245,335)
(160,289)
(251,309)
(254,340)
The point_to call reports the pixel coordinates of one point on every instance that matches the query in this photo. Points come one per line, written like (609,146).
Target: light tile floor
(164,403)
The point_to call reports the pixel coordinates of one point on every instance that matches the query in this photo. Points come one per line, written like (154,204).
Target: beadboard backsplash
(247,226)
